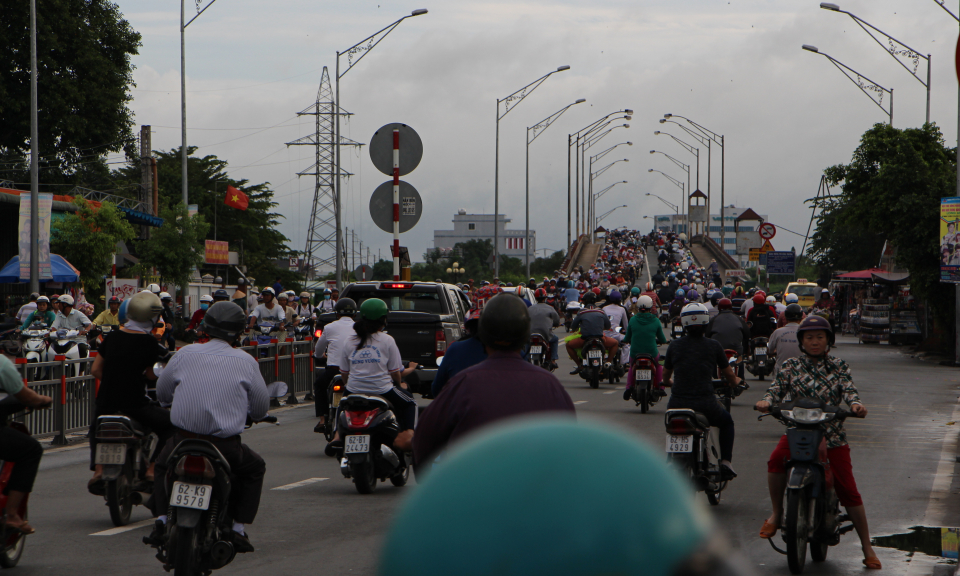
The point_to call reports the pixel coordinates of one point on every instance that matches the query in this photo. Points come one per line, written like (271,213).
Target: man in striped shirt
(211,389)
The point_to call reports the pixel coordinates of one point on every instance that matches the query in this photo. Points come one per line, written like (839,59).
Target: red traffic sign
(767,230)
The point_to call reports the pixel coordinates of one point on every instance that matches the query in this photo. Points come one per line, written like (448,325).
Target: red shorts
(840,466)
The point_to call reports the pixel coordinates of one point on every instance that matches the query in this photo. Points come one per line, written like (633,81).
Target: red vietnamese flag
(236,199)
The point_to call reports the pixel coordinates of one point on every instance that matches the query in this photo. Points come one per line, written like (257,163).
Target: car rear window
(403,300)
(804,291)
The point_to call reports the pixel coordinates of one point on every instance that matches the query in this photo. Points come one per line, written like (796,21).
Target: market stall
(879,306)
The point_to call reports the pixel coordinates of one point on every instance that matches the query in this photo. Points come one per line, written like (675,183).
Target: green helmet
(635,291)
(486,509)
(373,309)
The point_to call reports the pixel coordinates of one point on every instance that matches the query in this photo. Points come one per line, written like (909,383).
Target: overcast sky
(734,66)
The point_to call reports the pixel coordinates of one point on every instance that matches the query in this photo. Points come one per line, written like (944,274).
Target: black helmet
(811,323)
(224,320)
(220,295)
(504,323)
(589,298)
(793,313)
(346,307)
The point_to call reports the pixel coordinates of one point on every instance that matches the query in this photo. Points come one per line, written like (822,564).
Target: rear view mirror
(277,389)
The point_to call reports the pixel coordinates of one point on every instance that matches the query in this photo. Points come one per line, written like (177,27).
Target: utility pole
(34,157)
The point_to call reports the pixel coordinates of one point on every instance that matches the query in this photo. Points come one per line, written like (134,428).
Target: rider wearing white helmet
(696,360)
(787,301)
(69,318)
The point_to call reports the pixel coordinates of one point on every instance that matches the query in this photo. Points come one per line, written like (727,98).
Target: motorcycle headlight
(807,415)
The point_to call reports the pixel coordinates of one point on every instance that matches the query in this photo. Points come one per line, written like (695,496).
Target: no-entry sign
(767,230)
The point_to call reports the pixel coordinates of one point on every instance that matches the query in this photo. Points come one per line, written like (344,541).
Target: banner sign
(124,288)
(216,252)
(44,204)
(781,263)
(950,239)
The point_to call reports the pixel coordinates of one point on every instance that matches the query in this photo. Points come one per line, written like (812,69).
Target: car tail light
(398,285)
(680,426)
(441,340)
(318,333)
(195,466)
(360,419)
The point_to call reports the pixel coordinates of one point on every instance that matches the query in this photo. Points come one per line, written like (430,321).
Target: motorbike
(96,335)
(335,392)
(573,308)
(262,336)
(676,330)
(759,363)
(34,346)
(593,363)
(692,448)
(665,315)
(643,391)
(812,512)
(303,330)
(368,428)
(726,394)
(539,352)
(12,542)
(64,344)
(124,449)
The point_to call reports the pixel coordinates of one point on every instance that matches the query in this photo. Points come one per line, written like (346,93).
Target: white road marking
(611,392)
(940,492)
(581,401)
(299,484)
(127,528)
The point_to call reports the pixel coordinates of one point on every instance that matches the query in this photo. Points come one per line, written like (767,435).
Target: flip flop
(872,563)
(23,528)
(769,531)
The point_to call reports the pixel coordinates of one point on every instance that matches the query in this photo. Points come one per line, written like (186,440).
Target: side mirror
(277,389)
(439,361)
(158,368)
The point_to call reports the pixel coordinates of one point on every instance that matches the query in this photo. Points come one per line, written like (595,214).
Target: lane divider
(581,401)
(299,484)
(127,528)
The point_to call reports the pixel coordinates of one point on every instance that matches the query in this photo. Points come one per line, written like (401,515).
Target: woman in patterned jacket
(816,374)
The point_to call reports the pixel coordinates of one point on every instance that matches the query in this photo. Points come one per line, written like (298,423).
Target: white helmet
(791,299)
(694,314)
(66,299)
(165,296)
(206,298)
(771,300)
(155,288)
(645,303)
(269,290)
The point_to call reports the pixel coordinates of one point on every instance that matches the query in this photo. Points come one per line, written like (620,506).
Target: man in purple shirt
(502,386)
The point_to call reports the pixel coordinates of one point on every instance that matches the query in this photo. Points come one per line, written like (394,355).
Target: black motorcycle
(12,542)
(692,449)
(368,428)
(676,331)
(760,364)
(812,511)
(124,449)
(539,352)
(593,354)
(335,392)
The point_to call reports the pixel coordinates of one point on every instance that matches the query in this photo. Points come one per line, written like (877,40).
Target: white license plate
(644,374)
(111,454)
(761,352)
(357,444)
(678,330)
(594,353)
(679,444)
(536,349)
(196,496)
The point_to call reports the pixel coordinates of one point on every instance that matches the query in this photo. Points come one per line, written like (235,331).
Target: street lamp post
(510,102)
(665,201)
(609,212)
(574,140)
(688,147)
(455,271)
(536,130)
(711,136)
(909,52)
(588,142)
(872,86)
(368,44)
(183,96)
(591,214)
(679,185)
(592,204)
(685,167)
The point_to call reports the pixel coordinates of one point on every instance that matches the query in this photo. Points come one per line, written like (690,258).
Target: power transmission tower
(320,250)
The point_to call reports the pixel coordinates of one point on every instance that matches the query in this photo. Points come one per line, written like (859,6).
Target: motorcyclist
(665,293)
(760,318)
(269,311)
(370,364)
(304,309)
(696,360)
(818,375)
(738,297)
(775,306)
(27,308)
(328,346)
(783,342)
(543,319)
(678,302)
(41,314)
(729,329)
(713,298)
(290,316)
(788,300)
(71,319)
(205,302)
(462,354)
(648,290)
(109,317)
(327,304)
(168,313)
(212,389)
(618,316)
(124,364)
(571,294)
(644,334)
(475,397)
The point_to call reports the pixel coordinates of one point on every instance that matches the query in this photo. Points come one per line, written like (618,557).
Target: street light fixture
(607,213)
(909,52)
(592,206)
(688,147)
(710,136)
(872,86)
(363,48)
(183,95)
(665,201)
(574,139)
(591,211)
(536,130)
(681,165)
(510,102)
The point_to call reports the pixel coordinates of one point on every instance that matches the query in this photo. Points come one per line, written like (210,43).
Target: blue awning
(142,218)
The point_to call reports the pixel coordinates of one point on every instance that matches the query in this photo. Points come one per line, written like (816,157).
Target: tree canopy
(176,247)
(84,73)
(88,240)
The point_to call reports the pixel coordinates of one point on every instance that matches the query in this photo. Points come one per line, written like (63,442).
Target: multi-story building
(677,224)
(468,227)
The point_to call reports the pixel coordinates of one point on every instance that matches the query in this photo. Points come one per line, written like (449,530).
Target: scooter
(812,511)
(64,344)
(335,392)
(96,336)
(759,364)
(593,354)
(644,393)
(677,328)
(573,308)
(262,336)
(539,352)
(34,346)
(12,542)
(368,428)
(692,448)
(124,449)
(303,330)
(665,315)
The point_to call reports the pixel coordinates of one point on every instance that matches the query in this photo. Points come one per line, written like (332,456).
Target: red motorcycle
(11,541)
(644,394)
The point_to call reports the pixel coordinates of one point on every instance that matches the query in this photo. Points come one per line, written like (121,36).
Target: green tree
(841,242)
(892,189)
(175,248)
(88,239)
(84,50)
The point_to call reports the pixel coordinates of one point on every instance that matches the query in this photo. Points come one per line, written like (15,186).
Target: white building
(467,227)
(673,223)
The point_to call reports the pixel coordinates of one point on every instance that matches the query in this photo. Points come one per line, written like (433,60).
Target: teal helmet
(531,498)
(635,291)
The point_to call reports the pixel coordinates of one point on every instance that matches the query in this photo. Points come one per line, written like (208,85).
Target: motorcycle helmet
(165,296)
(47,300)
(716,297)
(614,297)
(269,290)
(206,298)
(66,300)
(589,299)
(224,320)
(220,295)
(635,291)
(648,287)
(758,299)
(305,295)
(680,293)
(793,313)
(814,322)
(143,307)
(504,323)
(694,314)
(791,299)
(540,294)
(693,295)
(154,288)
(645,303)
(596,290)
(122,313)
(374,309)
(112,300)
(345,307)
(725,304)
(771,300)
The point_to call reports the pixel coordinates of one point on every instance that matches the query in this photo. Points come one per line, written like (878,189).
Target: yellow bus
(808,292)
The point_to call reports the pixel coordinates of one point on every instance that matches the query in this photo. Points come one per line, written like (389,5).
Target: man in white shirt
(330,345)
(70,319)
(269,311)
(27,308)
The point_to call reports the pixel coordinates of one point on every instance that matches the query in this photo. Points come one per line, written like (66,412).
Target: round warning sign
(767,230)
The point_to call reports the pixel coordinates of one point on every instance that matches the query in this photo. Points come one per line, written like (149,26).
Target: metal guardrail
(74,389)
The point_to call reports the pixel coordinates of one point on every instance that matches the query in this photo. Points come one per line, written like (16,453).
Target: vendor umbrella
(63,271)
(861,274)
